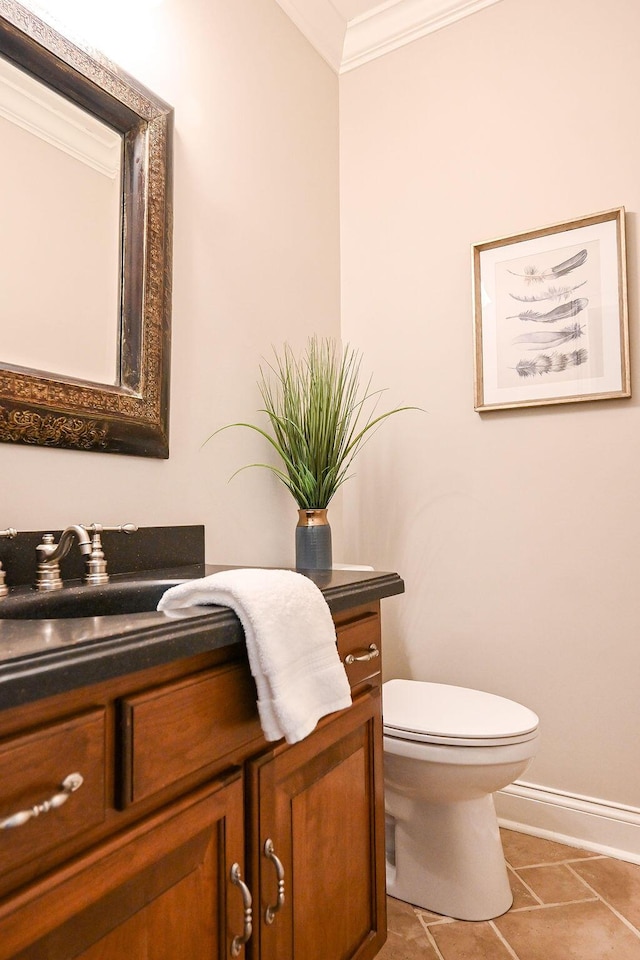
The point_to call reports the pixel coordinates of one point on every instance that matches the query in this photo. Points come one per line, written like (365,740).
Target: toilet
(446,751)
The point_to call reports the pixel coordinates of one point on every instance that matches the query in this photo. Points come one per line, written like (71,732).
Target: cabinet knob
(238,942)
(269,852)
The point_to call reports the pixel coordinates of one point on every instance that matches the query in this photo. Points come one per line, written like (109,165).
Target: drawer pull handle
(69,785)
(371,654)
(238,942)
(269,852)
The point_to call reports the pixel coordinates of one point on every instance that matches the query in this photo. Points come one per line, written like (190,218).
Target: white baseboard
(585,822)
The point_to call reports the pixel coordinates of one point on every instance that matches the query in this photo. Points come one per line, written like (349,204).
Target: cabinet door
(321,803)
(159,891)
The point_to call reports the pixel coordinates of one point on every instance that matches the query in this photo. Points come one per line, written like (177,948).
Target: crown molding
(346,45)
(392,25)
(42,112)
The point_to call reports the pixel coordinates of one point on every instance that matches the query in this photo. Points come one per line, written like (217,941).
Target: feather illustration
(533,275)
(568,265)
(551,338)
(551,293)
(558,313)
(551,363)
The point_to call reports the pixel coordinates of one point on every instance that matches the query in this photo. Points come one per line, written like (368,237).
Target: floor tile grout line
(558,903)
(556,863)
(438,917)
(524,884)
(506,943)
(529,908)
(425,923)
(433,943)
(606,903)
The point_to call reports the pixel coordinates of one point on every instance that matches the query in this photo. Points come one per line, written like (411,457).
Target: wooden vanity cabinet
(189,796)
(155,892)
(319,802)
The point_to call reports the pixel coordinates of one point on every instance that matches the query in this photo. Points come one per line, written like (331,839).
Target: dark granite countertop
(41,658)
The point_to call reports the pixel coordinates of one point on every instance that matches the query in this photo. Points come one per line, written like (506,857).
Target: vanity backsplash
(149,548)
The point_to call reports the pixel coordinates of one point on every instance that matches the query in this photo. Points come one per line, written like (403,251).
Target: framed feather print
(550,315)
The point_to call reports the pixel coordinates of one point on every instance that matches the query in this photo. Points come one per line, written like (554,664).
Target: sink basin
(111,599)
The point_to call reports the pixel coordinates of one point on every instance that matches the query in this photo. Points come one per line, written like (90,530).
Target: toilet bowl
(446,751)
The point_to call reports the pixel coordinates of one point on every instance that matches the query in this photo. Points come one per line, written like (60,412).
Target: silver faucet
(49,554)
(96,565)
(10,533)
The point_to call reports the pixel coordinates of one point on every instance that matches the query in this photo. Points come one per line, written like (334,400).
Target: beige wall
(255,263)
(517,532)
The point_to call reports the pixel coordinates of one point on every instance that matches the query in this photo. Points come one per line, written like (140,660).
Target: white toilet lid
(439,713)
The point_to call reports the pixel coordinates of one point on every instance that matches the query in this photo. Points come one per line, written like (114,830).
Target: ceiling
(348,33)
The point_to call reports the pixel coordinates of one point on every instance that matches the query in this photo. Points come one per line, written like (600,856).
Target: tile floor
(568,904)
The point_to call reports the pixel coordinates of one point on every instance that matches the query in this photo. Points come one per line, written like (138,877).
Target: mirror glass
(62,162)
(85,247)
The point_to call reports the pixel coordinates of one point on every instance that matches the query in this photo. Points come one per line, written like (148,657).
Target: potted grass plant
(320,418)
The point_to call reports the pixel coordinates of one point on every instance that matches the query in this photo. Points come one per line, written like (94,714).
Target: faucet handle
(99,528)
(96,564)
(125,528)
(9,533)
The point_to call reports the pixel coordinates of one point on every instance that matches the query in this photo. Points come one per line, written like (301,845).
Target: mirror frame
(131,417)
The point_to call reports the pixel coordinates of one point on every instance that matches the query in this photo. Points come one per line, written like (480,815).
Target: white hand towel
(291,643)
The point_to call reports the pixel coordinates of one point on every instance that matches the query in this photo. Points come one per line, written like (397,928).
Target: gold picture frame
(550,315)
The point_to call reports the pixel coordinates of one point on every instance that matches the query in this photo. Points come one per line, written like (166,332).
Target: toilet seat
(442,714)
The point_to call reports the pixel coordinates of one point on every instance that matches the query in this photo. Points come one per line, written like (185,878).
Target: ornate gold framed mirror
(87,363)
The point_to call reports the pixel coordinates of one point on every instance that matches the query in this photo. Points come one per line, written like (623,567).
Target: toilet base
(448,858)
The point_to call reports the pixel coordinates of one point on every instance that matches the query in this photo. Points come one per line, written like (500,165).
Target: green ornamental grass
(319,416)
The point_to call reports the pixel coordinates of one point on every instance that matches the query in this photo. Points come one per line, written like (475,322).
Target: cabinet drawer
(359,638)
(176,730)
(32,770)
